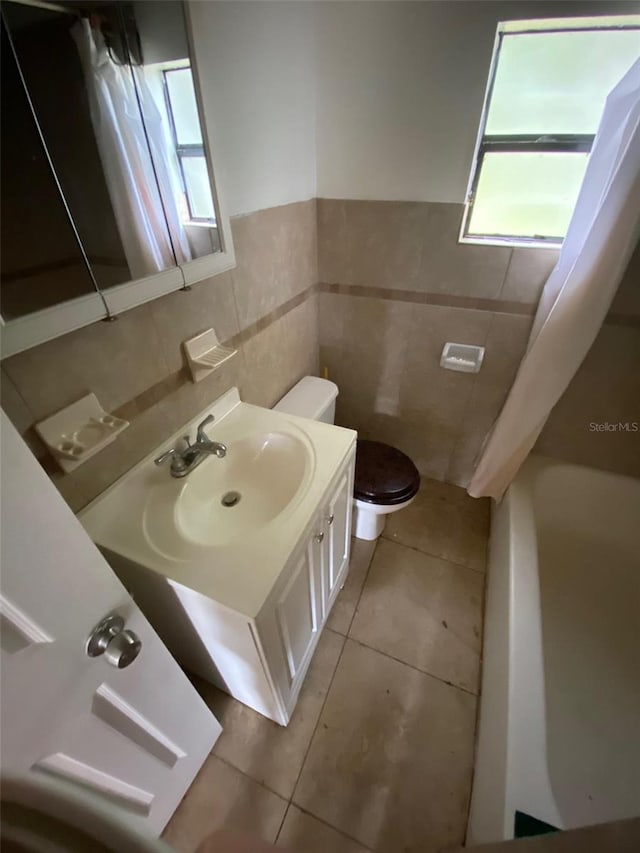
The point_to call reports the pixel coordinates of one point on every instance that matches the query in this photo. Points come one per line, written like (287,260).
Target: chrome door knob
(120,646)
(330,519)
(319,537)
(123,649)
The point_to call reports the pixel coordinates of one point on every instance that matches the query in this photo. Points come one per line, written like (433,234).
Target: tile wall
(266,306)
(376,289)
(605,390)
(395,286)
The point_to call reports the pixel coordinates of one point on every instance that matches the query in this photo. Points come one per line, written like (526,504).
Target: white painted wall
(400,88)
(256,66)
(369,100)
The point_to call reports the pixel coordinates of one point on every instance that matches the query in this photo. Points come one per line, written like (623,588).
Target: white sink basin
(240,494)
(278,466)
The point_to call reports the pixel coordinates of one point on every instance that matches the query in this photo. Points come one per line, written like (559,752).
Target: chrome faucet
(185,459)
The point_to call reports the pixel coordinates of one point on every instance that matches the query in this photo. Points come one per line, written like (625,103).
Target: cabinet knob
(319,537)
(330,519)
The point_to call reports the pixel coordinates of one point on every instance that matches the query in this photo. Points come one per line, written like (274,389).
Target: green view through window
(544,101)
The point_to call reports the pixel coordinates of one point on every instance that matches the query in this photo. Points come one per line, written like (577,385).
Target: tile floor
(379,753)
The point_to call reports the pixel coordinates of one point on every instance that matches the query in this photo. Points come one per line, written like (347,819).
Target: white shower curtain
(603,233)
(143,191)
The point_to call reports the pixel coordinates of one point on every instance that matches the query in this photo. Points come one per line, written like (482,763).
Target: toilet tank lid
(309,398)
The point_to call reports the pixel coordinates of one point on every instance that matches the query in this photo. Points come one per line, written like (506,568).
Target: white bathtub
(559,734)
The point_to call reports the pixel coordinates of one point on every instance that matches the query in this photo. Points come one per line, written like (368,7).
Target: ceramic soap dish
(78,432)
(205,354)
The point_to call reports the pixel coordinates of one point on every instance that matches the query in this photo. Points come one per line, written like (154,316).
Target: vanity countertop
(178,527)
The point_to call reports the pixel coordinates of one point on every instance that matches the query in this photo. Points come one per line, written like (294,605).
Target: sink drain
(231,499)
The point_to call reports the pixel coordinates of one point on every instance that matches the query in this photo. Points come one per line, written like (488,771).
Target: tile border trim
(469,303)
(157,392)
(445,300)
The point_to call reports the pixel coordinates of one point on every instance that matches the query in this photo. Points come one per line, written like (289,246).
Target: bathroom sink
(234,497)
(240,494)
(227,528)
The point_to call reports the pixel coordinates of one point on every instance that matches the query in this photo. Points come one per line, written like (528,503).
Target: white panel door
(296,615)
(338,521)
(136,735)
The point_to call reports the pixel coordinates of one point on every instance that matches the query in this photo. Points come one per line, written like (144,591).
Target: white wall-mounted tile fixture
(79,431)
(205,353)
(462,357)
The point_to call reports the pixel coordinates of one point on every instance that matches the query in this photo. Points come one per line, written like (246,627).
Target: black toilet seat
(384,475)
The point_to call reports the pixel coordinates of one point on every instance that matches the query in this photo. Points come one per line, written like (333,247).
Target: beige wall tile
(146,432)
(278,356)
(424,611)
(185,313)
(627,299)
(405,246)
(223,797)
(276,254)
(505,345)
(277,259)
(331,319)
(117,361)
(14,406)
(385,357)
(384,242)
(606,388)
(528,271)
(333,254)
(391,760)
(452,267)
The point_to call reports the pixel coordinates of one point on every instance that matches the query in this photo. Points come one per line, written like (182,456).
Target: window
(544,100)
(187,136)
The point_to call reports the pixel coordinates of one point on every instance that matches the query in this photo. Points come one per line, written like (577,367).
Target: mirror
(41,259)
(105,175)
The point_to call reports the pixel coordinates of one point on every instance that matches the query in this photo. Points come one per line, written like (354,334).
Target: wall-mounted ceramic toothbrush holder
(205,353)
(78,432)
(462,357)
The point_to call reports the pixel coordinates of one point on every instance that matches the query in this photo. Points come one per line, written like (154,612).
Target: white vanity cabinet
(238,596)
(292,618)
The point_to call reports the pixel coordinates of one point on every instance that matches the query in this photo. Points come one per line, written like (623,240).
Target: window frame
(183,151)
(526,143)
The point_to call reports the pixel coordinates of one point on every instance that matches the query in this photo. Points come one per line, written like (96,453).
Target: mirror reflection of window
(187,139)
(113,96)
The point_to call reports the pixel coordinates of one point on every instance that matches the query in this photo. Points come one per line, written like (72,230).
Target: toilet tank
(313,398)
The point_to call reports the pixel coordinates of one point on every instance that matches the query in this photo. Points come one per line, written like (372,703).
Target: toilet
(386,480)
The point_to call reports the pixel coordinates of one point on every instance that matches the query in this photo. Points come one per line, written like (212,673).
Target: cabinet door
(296,615)
(338,521)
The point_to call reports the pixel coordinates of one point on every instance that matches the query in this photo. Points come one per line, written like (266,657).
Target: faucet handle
(168,454)
(201,436)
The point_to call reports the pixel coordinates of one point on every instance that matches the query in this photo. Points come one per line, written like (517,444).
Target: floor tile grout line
(436,556)
(331,826)
(315,728)
(364,583)
(476,726)
(284,817)
(415,668)
(345,637)
(252,778)
(391,657)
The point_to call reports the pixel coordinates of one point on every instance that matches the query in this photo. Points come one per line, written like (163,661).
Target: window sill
(510,243)
(200,224)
